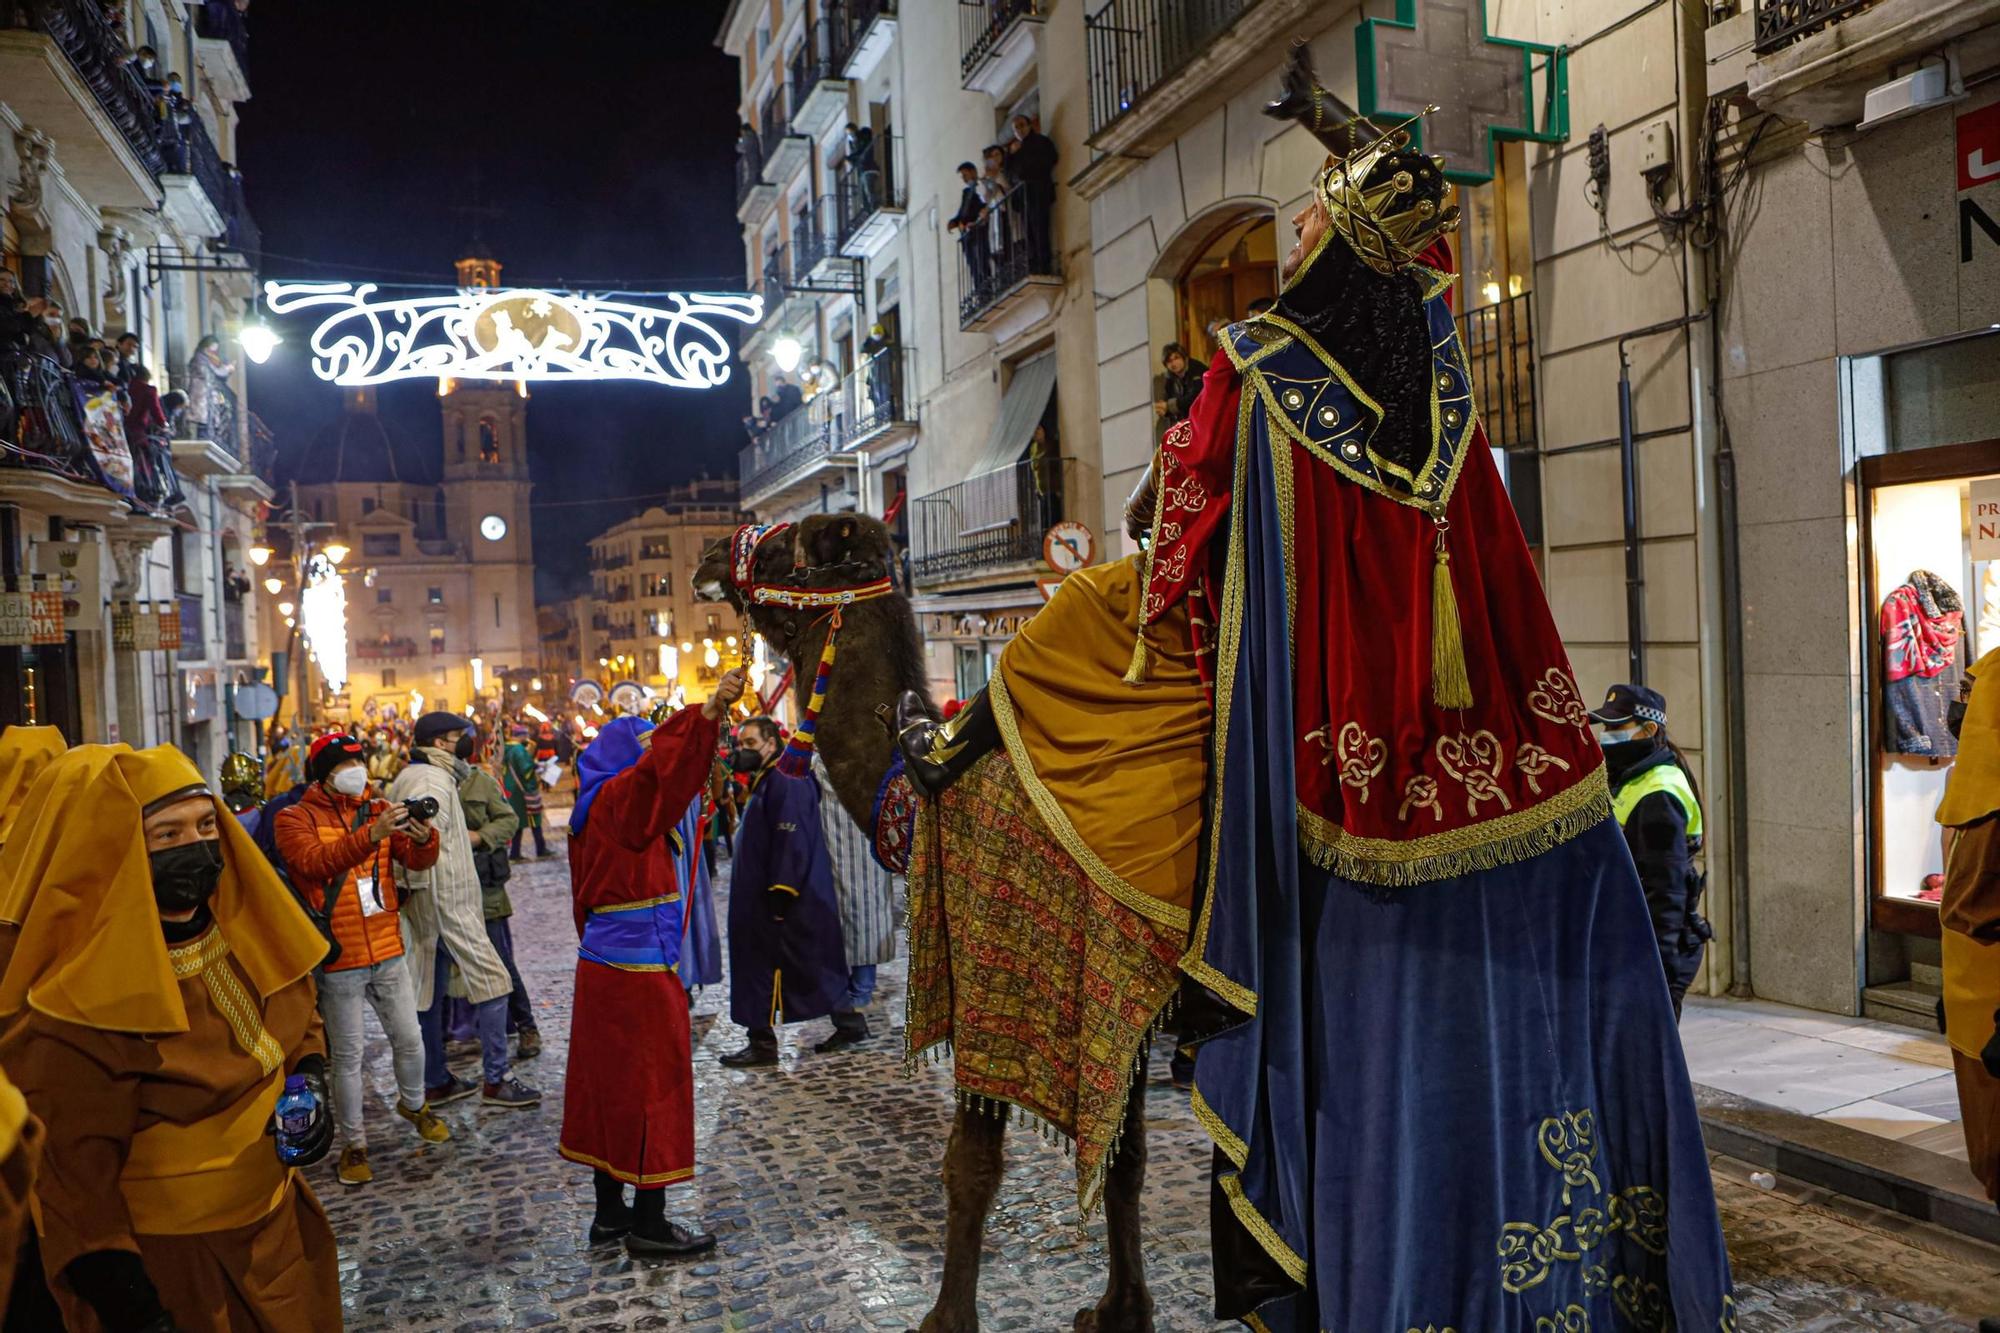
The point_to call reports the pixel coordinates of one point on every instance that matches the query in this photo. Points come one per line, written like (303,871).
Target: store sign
(45,611)
(76,568)
(1986,519)
(145,628)
(1485,88)
(1978,169)
(167,616)
(17,619)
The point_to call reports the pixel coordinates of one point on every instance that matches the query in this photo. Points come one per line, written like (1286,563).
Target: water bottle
(296,1108)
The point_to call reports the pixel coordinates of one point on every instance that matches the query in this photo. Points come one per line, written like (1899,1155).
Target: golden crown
(1381,221)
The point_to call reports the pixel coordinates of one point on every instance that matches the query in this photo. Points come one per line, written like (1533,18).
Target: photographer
(444,922)
(342,848)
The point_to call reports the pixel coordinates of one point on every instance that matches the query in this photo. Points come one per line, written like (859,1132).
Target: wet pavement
(821,1180)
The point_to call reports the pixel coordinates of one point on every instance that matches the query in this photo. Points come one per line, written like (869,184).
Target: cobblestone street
(821,1180)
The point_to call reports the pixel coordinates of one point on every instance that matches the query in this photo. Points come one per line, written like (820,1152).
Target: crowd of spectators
(1003,218)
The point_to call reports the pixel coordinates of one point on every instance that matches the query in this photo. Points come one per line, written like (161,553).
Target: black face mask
(746,760)
(1954,716)
(464,747)
(184,877)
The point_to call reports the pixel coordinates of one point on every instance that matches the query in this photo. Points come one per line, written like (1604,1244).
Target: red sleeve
(643,804)
(1197,464)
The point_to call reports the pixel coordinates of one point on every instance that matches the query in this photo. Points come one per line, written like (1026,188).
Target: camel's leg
(972,1163)
(1127,1306)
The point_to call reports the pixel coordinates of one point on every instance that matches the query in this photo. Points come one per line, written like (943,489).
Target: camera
(422,807)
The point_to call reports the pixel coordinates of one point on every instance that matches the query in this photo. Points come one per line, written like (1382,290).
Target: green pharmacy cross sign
(1487,88)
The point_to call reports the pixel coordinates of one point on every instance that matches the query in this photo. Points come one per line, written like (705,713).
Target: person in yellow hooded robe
(1969,913)
(155,995)
(24,753)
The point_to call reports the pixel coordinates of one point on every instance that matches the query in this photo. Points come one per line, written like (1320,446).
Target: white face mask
(351,781)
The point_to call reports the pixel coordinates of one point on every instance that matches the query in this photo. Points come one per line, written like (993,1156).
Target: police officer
(1654,796)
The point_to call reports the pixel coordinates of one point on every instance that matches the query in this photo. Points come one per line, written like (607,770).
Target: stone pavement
(821,1180)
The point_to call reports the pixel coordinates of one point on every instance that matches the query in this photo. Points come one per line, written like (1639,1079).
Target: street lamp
(284,608)
(258,341)
(334,551)
(260,555)
(786,352)
(272,584)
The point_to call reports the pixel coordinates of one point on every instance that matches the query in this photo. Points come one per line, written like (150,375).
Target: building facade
(640,623)
(119,208)
(942,333)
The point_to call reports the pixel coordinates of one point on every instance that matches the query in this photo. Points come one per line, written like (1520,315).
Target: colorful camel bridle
(743,549)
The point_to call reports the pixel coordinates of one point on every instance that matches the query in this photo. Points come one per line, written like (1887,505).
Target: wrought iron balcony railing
(847,21)
(984,24)
(187,150)
(1134,45)
(772,123)
(990,521)
(43,425)
(1782,22)
(802,435)
(389,649)
(97,52)
(877,395)
(1011,245)
(1499,343)
(221,21)
(811,64)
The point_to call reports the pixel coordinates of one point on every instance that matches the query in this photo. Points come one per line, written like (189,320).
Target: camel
(880,655)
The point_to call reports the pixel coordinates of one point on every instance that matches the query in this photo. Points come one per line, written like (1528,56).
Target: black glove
(780,901)
(319,1135)
(115,1286)
(1990,1056)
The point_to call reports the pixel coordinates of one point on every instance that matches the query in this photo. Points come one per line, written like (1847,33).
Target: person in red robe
(628,1103)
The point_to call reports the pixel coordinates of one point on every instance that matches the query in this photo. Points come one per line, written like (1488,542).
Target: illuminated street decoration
(519,333)
(323,613)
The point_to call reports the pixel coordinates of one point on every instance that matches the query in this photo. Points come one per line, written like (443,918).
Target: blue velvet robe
(1457,1105)
(701,953)
(794,970)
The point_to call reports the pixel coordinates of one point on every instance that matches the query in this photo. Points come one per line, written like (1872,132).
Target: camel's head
(712,581)
(845,548)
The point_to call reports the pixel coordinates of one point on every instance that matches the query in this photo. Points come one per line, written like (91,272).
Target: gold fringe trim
(1506,840)
(1451,683)
(1153,909)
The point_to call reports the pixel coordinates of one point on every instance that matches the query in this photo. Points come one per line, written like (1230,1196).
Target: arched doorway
(1236,265)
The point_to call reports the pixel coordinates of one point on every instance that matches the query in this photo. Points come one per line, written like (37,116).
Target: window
(381,543)
(461,439)
(437,596)
(489,441)
(367,506)
(714,623)
(437,640)
(496,610)
(388,678)
(438,677)
(384,596)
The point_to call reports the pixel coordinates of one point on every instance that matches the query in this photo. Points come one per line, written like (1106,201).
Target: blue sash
(635,937)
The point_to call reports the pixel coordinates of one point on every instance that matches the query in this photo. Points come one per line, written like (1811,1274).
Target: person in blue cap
(1658,803)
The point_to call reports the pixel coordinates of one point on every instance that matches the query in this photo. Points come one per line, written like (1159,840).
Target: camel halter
(796,761)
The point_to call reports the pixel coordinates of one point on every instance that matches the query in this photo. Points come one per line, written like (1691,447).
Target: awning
(1022,407)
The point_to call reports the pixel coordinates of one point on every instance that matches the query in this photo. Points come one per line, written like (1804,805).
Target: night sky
(596,142)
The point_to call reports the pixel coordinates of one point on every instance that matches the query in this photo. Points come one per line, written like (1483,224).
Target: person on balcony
(1174,392)
(129,365)
(1031,160)
(971,236)
(861,162)
(881,374)
(208,376)
(749,152)
(786,398)
(993,186)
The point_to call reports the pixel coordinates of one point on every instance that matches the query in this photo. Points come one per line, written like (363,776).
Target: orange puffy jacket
(322,848)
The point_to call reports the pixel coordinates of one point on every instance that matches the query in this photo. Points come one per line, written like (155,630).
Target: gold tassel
(1451,686)
(1135,674)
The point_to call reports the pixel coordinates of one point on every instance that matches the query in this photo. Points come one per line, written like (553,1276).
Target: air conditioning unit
(1929,86)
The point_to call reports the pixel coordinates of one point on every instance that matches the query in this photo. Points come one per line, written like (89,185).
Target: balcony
(819,266)
(65,72)
(784,152)
(755,196)
(200,186)
(819,90)
(862,32)
(624,633)
(1135,45)
(869,198)
(990,524)
(224,37)
(49,436)
(877,406)
(790,453)
(234,645)
(384,649)
(996,43)
(1815,60)
(1008,275)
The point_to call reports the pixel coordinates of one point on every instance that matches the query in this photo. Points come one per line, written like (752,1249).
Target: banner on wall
(1985,542)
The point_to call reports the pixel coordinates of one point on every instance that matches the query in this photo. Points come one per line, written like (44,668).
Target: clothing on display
(1923,623)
